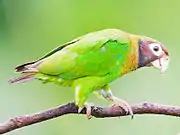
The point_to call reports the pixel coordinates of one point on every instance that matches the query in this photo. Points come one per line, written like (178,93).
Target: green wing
(95,54)
(22,67)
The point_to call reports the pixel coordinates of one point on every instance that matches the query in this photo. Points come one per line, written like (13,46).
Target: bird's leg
(107,94)
(88,109)
(81,95)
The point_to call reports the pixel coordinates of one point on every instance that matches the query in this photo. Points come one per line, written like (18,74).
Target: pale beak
(161,63)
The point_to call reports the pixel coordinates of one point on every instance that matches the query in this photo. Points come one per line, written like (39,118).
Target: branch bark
(98,112)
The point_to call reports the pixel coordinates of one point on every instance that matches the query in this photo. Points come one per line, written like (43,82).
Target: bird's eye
(156,49)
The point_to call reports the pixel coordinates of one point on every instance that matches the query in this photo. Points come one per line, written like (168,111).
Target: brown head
(152,53)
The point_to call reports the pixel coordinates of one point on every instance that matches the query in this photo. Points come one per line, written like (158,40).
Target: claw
(124,105)
(88,110)
(80,109)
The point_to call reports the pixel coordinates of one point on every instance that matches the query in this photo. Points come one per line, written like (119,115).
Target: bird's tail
(28,72)
(23,78)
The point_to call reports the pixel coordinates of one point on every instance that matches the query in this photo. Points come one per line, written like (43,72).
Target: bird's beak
(161,63)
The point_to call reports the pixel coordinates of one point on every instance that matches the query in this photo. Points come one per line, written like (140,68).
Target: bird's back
(95,54)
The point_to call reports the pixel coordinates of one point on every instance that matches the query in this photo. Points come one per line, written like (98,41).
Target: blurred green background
(30,28)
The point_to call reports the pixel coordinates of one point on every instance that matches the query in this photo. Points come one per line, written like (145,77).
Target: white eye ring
(156,49)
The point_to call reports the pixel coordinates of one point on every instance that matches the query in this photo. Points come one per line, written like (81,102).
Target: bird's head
(153,53)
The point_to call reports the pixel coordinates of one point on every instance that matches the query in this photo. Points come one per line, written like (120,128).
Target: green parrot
(90,62)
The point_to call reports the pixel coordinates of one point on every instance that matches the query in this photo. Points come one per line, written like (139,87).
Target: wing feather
(27,66)
(94,54)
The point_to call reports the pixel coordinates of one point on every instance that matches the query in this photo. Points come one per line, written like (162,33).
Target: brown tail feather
(23,78)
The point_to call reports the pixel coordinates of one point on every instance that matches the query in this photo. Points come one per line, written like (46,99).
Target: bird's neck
(132,59)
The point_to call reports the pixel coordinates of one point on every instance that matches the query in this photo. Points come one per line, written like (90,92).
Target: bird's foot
(88,110)
(123,104)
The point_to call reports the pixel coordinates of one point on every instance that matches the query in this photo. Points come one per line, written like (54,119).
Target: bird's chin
(161,63)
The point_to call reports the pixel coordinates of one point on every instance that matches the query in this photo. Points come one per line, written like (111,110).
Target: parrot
(89,63)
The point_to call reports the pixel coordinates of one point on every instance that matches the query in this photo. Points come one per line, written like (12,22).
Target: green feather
(86,64)
(93,54)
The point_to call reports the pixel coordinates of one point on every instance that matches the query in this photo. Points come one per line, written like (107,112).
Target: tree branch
(98,112)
